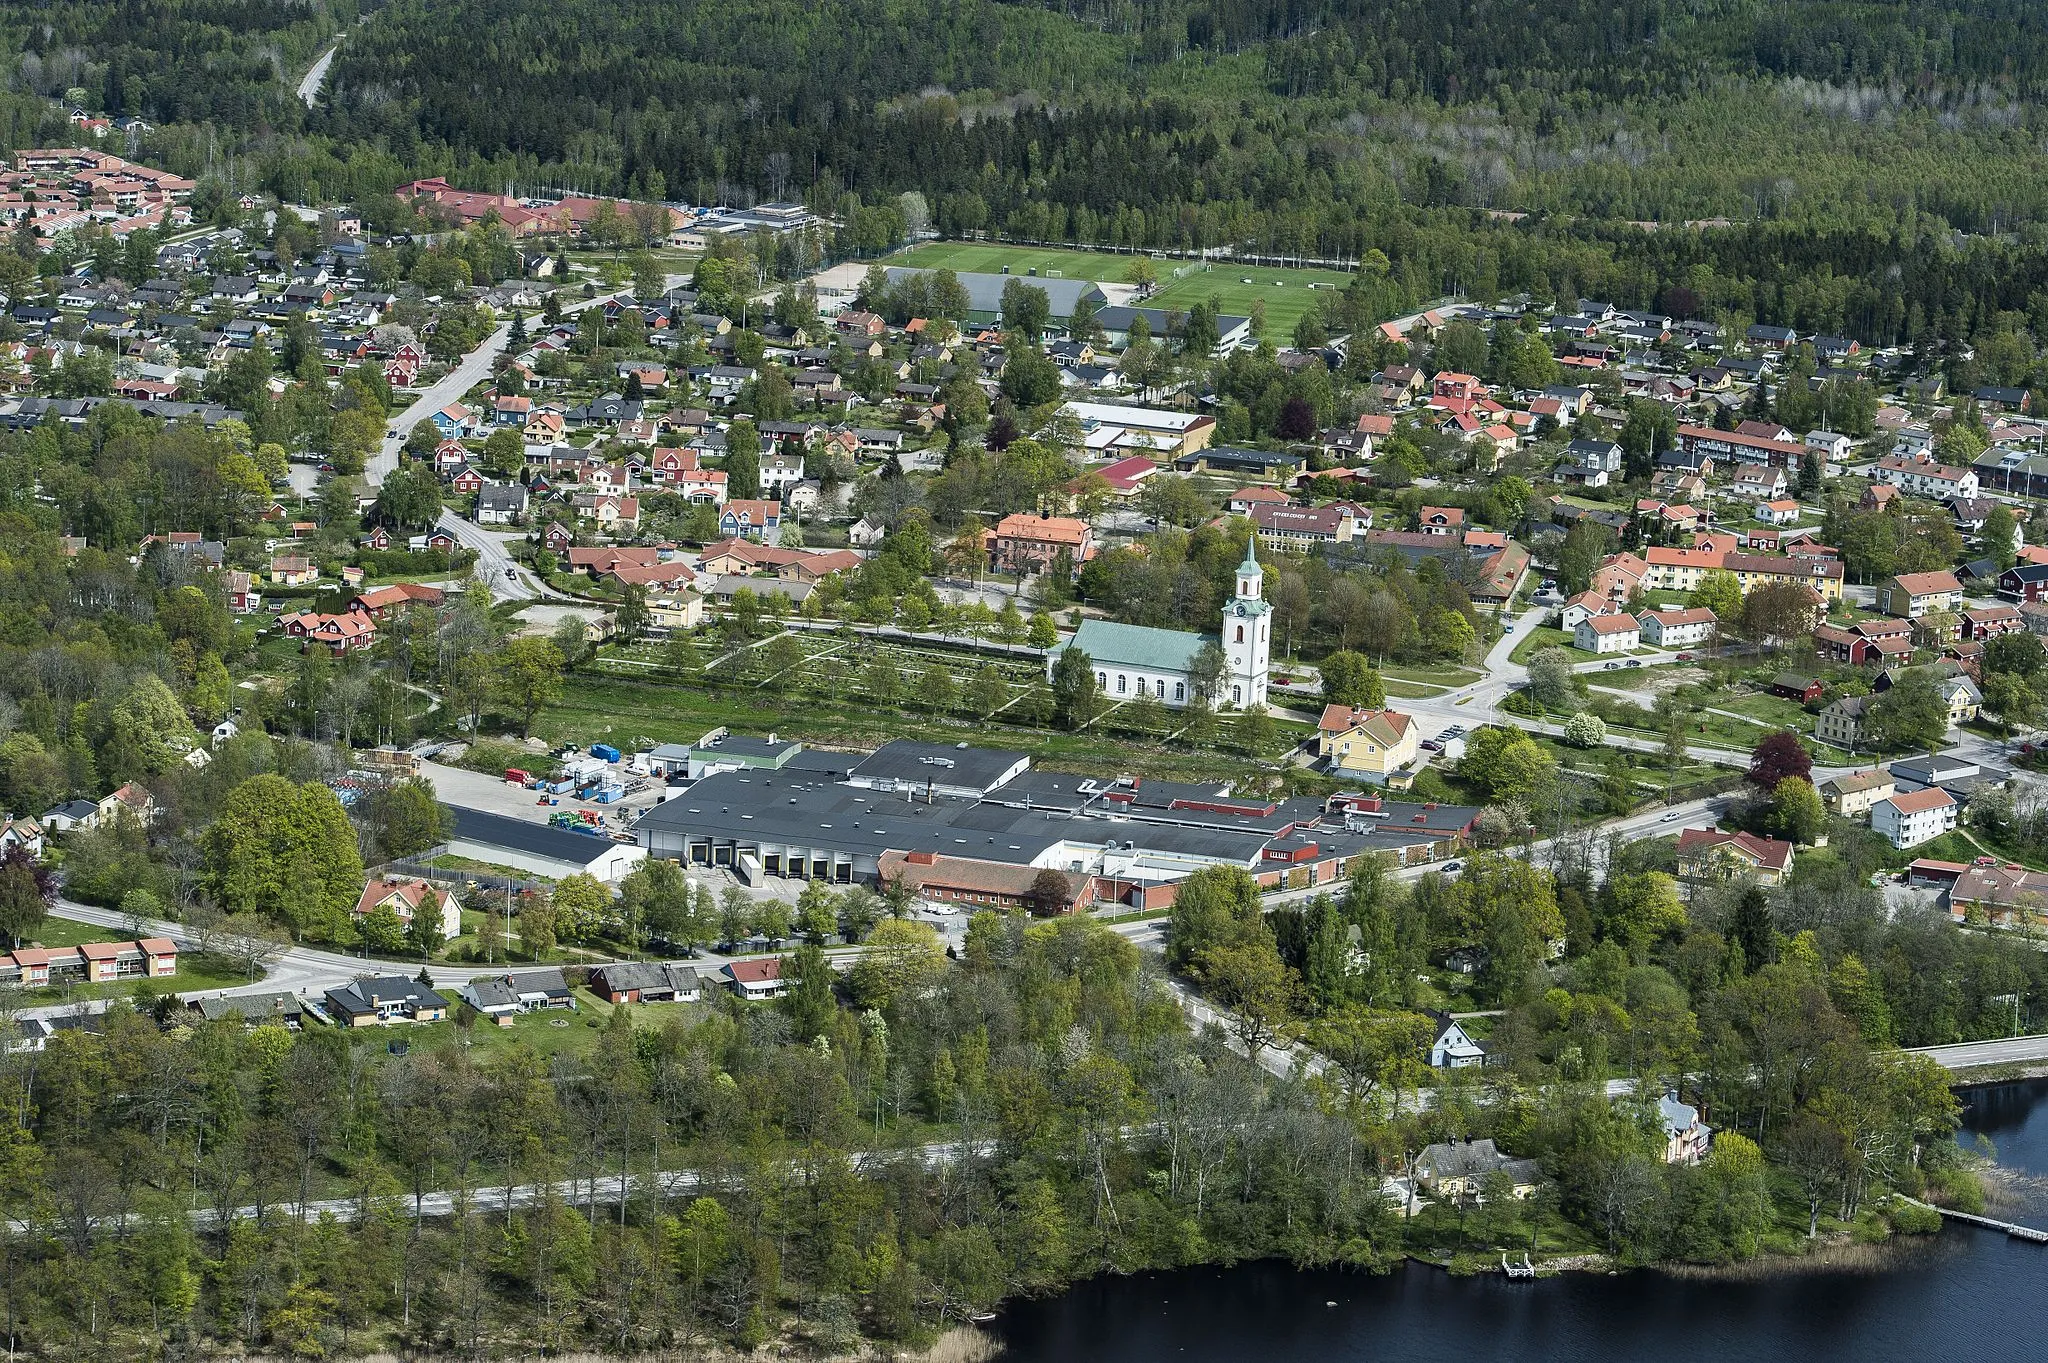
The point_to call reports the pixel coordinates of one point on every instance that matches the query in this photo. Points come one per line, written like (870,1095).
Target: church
(1135,660)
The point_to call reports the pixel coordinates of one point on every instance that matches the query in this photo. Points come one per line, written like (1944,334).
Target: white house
(1607,634)
(780,473)
(1830,444)
(1580,607)
(1453,1048)
(1678,628)
(1915,817)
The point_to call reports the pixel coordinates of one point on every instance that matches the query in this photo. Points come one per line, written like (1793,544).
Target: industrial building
(977,824)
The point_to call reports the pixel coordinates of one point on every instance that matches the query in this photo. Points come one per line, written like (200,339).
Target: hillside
(1203,114)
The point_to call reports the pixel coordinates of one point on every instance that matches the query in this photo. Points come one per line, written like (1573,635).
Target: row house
(380,603)
(93,962)
(1678,628)
(1924,477)
(1706,443)
(2024,582)
(1983,623)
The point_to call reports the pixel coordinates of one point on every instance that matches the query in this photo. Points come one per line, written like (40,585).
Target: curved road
(316,75)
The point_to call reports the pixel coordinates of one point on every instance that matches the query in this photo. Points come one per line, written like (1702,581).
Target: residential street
(494,565)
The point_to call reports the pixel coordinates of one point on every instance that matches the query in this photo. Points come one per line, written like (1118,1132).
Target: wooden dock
(2011,1228)
(1524,1269)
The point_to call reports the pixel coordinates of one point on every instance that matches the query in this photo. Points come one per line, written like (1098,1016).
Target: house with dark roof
(384,1000)
(646,982)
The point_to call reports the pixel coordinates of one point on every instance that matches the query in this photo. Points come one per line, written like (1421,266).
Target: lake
(1964,1295)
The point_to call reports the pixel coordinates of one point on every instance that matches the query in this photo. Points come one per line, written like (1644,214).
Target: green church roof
(1108,643)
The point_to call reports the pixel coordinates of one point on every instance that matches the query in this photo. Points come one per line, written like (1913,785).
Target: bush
(1910,1218)
(1957,1187)
(1585,730)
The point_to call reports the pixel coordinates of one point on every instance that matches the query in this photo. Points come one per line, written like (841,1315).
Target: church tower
(1247,635)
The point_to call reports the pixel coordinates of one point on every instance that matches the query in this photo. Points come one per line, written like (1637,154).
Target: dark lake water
(1964,1296)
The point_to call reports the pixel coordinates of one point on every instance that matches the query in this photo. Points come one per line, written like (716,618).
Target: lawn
(548,1033)
(1442,674)
(1542,637)
(1182,283)
(1775,711)
(1287,294)
(69,932)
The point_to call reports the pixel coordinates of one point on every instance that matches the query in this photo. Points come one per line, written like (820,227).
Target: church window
(1240,634)
(1180,690)
(1236,694)
(1120,679)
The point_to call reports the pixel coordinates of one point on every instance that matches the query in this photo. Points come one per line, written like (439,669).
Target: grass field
(1182,283)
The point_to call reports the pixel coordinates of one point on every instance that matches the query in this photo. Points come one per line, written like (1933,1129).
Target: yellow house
(1961,696)
(1823,575)
(683,611)
(1374,744)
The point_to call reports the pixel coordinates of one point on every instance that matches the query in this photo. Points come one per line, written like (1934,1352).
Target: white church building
(1135,660)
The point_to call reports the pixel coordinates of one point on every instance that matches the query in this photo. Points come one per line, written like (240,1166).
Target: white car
(1669,817)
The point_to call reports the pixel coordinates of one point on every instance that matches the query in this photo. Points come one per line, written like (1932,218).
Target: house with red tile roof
(409,899)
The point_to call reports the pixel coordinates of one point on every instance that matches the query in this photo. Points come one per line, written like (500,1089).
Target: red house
(1792,686)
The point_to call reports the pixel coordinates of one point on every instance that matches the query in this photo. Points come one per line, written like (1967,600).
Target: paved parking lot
(495,795)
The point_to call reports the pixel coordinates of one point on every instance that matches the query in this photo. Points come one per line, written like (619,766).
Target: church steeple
(1250,577)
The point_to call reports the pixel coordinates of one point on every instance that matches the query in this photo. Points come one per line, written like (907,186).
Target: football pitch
(1286,293)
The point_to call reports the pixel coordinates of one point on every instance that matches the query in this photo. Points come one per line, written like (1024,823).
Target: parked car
(1610,667)
(1633,662)
(1685,657)
(1450,867)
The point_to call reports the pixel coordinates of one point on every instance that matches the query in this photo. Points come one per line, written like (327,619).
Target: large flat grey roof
(757,806)
(906,759)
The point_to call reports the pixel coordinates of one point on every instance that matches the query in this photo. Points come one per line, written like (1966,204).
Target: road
(473,369)
(494,566)
(299,970)
(1971,1054)
(316,76)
